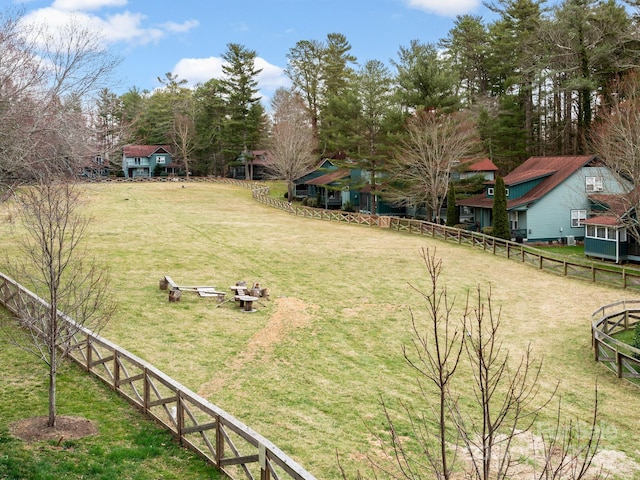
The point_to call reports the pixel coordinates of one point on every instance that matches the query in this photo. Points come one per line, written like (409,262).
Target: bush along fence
(613,275)
(219,438)
(618,356)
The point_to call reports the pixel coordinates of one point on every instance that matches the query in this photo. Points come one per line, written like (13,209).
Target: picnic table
(246,302)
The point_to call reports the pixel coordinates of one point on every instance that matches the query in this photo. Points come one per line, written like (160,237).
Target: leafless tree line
(46,81)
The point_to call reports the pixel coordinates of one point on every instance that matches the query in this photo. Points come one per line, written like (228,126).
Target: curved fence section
(620,357)
(234,448)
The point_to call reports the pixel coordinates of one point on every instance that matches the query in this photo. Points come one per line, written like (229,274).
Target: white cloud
(181,27)
(200,70)
(85,5)
(449,8)
(125,26)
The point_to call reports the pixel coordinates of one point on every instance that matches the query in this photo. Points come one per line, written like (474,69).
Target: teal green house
(146,161)
(342,188)
(548,198)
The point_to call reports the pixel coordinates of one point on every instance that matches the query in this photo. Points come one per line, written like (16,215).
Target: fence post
(89,354)
(146,394)
(219,442)
(179,416)
(618,364)
(116,370)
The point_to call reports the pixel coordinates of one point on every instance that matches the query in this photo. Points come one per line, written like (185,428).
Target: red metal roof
(482,165)
(144,150)
(603,220)
(555,169)
(329,178)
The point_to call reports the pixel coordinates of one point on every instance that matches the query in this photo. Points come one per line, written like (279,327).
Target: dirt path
(289,314)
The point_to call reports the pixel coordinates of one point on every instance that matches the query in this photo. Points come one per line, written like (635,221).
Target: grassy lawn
(126,447)
(309,368)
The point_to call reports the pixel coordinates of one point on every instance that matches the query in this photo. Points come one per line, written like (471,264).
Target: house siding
(550,217)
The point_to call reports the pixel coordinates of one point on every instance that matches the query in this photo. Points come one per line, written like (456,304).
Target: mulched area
(35,429)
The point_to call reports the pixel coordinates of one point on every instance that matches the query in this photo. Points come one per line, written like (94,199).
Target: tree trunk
(52,385)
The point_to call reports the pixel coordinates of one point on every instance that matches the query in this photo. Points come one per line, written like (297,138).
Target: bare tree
(292,141)
(504,405)
(616,139)
(435,357)
(58,268)
(46,76)
(508,399)
(423,163)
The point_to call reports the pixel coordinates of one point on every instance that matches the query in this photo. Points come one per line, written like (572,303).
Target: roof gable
(551,170)
(145,150)
(481,165)
(330,177)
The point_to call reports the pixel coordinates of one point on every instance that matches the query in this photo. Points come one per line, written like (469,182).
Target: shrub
(348,207)
(636,339)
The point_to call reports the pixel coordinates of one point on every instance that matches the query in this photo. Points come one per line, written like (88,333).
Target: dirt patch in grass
(35,429)
(289,314)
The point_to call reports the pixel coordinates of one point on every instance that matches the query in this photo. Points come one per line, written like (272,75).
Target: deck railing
(228,444)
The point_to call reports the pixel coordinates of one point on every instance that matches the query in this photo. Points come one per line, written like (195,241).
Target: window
(136,161)
(594,184)
(577,217)
(160,159)
(490,191)
(507,191)
(513,220)
(591,231)
(99,160)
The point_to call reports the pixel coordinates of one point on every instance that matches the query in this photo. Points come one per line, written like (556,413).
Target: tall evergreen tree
(340,107)
(425,80)
(211,111)
(466,47)
(501,227)
(305,72)
(245,122)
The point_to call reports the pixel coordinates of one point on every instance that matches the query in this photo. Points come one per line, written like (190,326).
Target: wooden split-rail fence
(228,444)
(618,356)
(612,275)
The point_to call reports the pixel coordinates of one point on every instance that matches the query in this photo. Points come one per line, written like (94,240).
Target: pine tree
(500,218)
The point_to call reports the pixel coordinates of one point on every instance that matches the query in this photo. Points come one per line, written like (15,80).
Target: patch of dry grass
(308,368)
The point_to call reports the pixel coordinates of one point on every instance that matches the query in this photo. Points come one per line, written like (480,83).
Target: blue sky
(188,37)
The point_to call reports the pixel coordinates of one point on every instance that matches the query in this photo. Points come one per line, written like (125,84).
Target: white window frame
(490,191)
(160,159)
(577,217)
(594,184)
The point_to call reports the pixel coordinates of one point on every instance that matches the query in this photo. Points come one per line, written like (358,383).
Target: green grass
(308,369)
(127,446)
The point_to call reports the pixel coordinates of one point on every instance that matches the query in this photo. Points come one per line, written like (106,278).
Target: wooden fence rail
(618,356)
(613,275)
(222,440)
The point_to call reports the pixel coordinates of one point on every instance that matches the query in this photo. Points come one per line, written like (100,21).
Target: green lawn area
(309,368)
(127,446)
